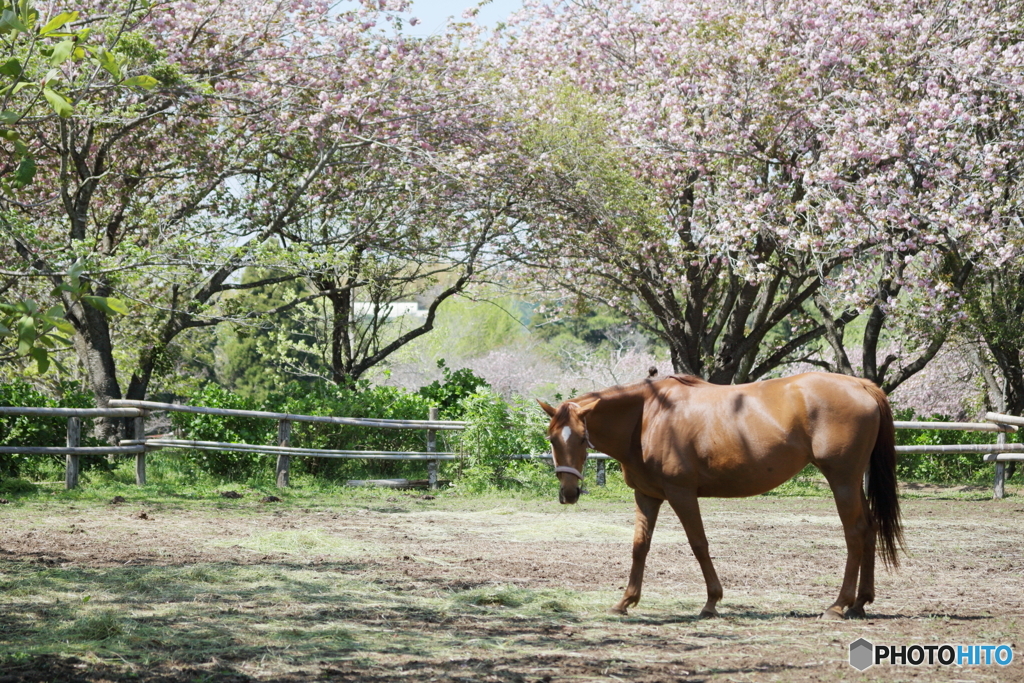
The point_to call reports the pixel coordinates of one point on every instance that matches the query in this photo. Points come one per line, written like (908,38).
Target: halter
(570,470)
(573,470)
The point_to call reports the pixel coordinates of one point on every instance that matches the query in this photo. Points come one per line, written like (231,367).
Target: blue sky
(434,13)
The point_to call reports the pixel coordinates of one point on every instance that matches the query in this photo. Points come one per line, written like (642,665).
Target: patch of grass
(525,601)
(303,542)
(98,626)
(573,523)
(17,487)
(495,596)
(931,491)
(556,606)
(200,573)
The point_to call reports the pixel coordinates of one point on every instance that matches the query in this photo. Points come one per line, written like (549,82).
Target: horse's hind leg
(857,528)
(688,510)
(646,517)
(866,589)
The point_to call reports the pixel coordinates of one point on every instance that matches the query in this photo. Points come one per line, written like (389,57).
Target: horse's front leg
(646,516)
(684,502)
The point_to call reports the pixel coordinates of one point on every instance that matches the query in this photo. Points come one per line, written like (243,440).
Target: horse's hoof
(831,613)
(708,614)
(856,613)
(621,611)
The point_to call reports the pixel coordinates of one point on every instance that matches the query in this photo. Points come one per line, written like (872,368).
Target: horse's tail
(882,495)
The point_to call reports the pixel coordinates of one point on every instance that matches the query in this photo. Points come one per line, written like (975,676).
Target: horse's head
(569,439)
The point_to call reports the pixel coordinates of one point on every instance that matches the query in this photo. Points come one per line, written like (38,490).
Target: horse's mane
(689,380)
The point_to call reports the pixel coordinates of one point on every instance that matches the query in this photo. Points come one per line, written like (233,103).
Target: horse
(680,438)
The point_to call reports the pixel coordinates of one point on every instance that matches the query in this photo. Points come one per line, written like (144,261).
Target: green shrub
(935,468)
(21,430)
(449,392)
(496,430)
(200,427)
(361,400)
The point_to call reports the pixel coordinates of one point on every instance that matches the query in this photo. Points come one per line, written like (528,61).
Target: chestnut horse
(680,438)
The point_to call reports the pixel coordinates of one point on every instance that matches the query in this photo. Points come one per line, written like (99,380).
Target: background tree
(728,174)
(30,45)
(168,192)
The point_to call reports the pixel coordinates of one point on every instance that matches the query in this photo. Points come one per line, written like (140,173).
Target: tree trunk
(341,337)
(95,352)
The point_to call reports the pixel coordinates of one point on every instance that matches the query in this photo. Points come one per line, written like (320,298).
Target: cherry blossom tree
(746,178)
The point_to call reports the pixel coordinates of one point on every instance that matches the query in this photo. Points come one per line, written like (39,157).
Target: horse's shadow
(761,615)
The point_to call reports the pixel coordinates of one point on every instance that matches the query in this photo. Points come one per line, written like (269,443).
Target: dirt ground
(411,587)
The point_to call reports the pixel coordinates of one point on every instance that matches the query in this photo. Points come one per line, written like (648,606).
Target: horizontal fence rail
(72,412)
(77,450)
(328,419)
(999,426)
(154,444)
(976,448)
(1006,419)
(998,453)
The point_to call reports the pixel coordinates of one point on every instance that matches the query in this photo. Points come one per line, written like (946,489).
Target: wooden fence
(998,453)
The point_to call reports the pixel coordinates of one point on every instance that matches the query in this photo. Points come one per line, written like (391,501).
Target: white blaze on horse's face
(566,433)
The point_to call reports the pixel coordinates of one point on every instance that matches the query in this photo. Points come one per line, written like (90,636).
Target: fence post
(600,473)
(71,459)
(139,434)
(999,486)
(284,438)
(432,448)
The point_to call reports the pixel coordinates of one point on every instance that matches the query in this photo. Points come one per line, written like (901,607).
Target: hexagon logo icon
(862,654)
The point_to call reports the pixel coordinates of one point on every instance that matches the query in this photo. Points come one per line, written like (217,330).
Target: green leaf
(106,59)
(25,172)
(57,22)
(75,275)
(61,52)
(42,359)
(26,334)
(147,82)
(9,117)
(59,104)
(12,67)
(106,304)
(9,20)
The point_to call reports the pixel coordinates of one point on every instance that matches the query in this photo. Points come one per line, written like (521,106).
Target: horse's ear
(547,408)
(583,412)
